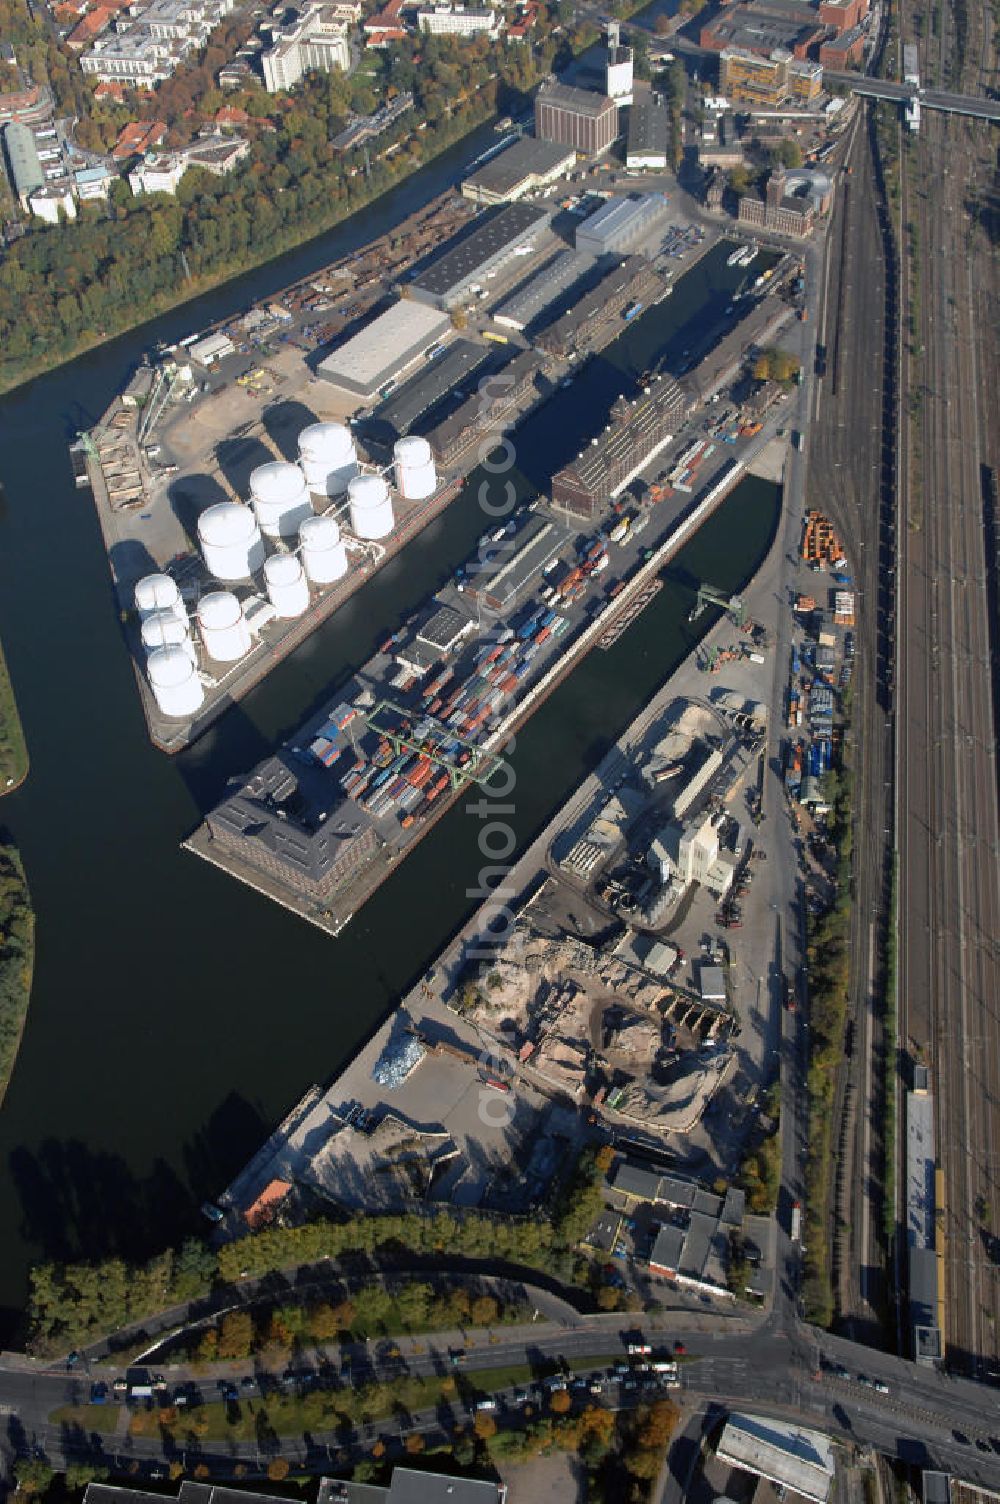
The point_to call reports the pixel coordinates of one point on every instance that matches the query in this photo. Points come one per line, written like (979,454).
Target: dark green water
(176,1015)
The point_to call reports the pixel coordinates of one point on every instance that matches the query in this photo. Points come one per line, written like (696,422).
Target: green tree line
(74,1304)
(17,958)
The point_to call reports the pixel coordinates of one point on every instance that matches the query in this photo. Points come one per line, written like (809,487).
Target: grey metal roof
(923,1286)
(666,1252)
(784,1452)
(548,284)
(22,158)
(633,1180)
(580,101)
(505,172)
(492,235)
(431,385)
(648,129)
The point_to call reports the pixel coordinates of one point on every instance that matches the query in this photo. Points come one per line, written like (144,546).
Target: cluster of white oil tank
(232,537)
(166,637)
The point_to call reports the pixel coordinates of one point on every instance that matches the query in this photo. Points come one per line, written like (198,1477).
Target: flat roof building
(457,21)
(522,168)
(620,224)
(552,282)
(435,381)
(23,166)
(648,138)
(279,821)
(746,27)
(384,348)
(411,1487)
(481,417)
(515,562)
(632,280)
(637,431)
(460,269)
(575,117)
(317,40)
(786,1454)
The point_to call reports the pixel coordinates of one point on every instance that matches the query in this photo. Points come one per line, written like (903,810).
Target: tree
(79,1474)
(277,1469)
(739,180)
(415,1443)
(607,1298)
(484,1425)
(662,25)
(484,1310)
(236,1335)
(33,1475)
(560,1402)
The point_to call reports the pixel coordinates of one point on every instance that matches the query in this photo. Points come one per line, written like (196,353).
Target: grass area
(17,958)
(100,1418)
(13,750)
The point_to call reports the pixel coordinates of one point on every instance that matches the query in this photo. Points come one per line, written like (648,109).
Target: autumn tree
(484,1425)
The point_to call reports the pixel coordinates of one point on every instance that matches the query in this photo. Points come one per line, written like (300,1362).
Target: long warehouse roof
(362,362)
(492,235)
(787,1454)
(505,172)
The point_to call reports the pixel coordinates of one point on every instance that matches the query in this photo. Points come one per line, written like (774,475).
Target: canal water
(176,1015)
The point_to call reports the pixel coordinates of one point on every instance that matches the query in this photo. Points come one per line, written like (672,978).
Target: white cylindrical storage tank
(286,584)
(280,498)
(158,592)
(230,541)
(162,629)
(416,477)
(174,681)
(328,458)
(223,626)
(323,553)
(371,506)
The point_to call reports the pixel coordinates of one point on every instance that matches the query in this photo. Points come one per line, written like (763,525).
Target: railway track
(949,982)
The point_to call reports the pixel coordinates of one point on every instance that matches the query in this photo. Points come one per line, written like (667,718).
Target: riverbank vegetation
(71,1305)
(13,750)
(828,956)
(17,958)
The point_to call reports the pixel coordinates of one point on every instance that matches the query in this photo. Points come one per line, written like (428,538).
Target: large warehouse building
(433,382)
(783,1452)
(383,349)
(575,117)
(648,137)
(550,284)
(459,271)
(638,430)
(620,224)
(523,168)
(634,280)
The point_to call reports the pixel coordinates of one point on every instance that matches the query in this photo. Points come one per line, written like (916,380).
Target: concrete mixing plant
(328,458)
(174,681)
(230,540)
(223,627)
(370,507)
(280,498)
(323,553)
(416,478)
(286,585)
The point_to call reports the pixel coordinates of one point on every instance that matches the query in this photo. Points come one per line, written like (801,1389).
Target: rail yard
(949,884)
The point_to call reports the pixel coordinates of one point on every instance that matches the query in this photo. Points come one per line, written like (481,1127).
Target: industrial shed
(457,273)
(383,349)
(523,167)
(620,224)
